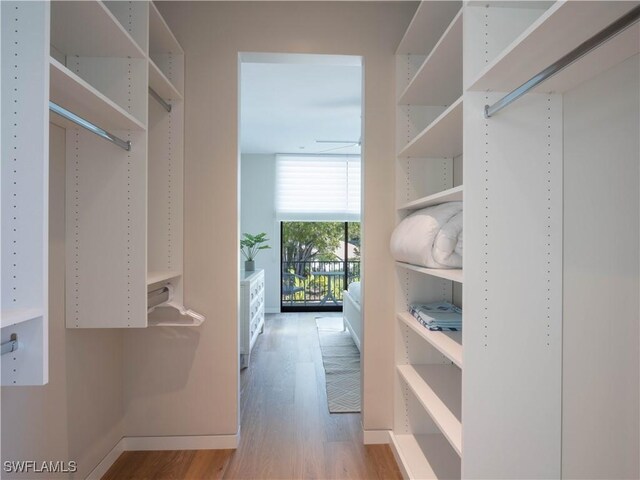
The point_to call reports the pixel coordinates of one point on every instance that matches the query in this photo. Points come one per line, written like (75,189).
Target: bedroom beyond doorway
(301,174)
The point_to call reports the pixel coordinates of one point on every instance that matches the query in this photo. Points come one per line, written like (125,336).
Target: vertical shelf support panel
(25,189)
(106,196)
(512,295)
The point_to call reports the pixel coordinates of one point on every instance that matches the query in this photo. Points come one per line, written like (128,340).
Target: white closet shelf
(441,139)
(161,38)
(161,84)
(162,276)
(447,343)
(453,274)
(438,388)
(439,79)
(18,315)
(454,194)
(560,29)
(89,29)
(426,456)
(73,93)
(425,28)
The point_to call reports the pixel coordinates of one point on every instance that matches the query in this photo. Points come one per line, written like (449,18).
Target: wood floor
(286,428)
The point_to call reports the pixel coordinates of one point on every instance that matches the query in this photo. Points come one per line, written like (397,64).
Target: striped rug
(341,360)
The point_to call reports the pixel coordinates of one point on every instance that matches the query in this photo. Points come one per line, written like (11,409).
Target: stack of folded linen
(439,316)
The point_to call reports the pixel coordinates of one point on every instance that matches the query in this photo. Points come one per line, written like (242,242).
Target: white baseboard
(111,457)
(186,442)
(375,437)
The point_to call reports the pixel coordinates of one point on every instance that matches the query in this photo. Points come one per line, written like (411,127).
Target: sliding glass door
(318,261)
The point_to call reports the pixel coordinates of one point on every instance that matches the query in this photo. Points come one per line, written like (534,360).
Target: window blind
(318,188)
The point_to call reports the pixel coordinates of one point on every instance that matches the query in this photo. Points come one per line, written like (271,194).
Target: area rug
(341,360)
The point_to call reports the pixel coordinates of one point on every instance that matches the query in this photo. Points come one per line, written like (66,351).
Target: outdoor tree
(306,241)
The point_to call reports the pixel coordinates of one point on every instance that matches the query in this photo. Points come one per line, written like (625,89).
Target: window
(318,188)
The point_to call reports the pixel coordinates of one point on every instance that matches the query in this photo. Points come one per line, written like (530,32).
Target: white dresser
(251,312)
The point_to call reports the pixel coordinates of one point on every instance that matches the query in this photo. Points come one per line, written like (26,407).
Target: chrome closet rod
(11,346)
(165,105)
(63,112)
(158,296)
(581,50)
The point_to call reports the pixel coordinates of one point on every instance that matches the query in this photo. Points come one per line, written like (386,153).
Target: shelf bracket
(11,346)
(580,51)
(165,105)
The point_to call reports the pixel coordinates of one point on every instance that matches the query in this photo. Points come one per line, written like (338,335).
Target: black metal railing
(317,283)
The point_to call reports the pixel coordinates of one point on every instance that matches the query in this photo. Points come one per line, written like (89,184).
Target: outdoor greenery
(318,245)
(250,244)
(308,241)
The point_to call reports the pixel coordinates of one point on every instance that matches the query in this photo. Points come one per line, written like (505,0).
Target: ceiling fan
(340,144)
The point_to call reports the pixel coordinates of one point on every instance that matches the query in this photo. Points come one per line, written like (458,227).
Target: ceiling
(289,101)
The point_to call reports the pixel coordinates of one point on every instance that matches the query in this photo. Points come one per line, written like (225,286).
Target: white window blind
(318,188)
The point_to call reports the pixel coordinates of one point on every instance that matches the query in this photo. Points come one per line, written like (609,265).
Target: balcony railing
(317,283)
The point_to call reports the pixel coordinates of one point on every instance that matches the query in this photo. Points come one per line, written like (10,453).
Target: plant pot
(249,265)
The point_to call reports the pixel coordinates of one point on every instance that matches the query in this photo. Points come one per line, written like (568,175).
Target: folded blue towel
(438,316)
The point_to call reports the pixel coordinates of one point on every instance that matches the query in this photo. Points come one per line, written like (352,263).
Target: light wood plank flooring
(286,428)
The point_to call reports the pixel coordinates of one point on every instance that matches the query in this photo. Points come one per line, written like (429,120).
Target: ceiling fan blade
(339,141)
(339,148)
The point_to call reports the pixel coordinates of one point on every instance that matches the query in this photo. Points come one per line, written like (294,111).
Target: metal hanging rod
(165,105)
(11,346)
(158,296)
(581,50)
(63,112)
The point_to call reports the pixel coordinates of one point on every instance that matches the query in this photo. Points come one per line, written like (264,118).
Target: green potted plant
(250,245)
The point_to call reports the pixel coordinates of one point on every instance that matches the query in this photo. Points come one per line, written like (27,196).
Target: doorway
(300,191)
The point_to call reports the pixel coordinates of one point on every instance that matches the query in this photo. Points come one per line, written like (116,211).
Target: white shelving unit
(427,434)
(25,191)
(427,26)
(561,28)
(104,58)
(441,138)
(161,38)
(439,79)
(543,155)
(452,274)
(18,315)
(161,84)
(438,389)
(90,29)
(162,276)
(165,53)
(425,456)
(75,94)
(166,166)
(447,343)
(451,195)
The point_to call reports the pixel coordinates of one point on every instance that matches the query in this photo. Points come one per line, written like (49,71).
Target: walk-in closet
(499,187)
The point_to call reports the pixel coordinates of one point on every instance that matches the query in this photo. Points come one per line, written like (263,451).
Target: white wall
(193,388)
(257,214)
(78,415)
